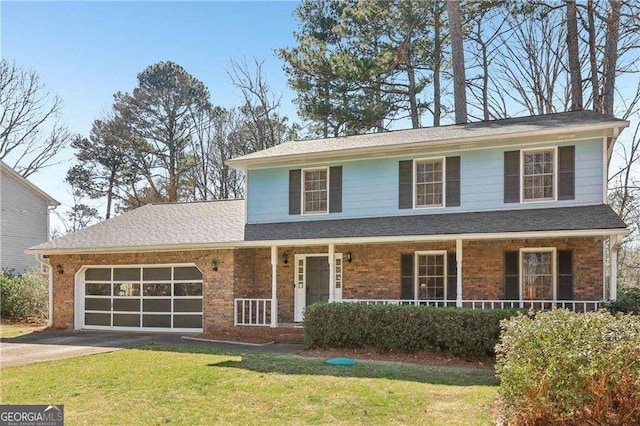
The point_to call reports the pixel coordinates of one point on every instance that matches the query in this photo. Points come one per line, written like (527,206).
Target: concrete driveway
(52,345)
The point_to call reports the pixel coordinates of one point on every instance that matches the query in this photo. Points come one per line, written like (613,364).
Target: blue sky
(87,51)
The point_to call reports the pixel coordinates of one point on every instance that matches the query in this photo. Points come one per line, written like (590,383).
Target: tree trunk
(610,57)
(112,179)
(593,58)
(574,56)
(415,117)
(437,53)
(457,59)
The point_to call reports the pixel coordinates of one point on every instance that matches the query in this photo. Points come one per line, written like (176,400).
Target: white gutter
(337,241)
(47,264)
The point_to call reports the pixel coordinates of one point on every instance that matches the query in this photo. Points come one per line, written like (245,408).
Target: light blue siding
(370,187)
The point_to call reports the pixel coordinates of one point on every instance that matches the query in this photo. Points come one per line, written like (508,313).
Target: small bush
(463,332)
(628,301)
(24,296)
(560,367)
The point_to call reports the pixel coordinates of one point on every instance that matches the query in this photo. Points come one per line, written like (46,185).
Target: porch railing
(542,305)
(256,312)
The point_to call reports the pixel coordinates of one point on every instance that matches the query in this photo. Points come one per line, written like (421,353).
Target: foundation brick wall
(373,274)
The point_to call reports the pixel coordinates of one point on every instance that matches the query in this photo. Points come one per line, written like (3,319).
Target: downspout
(46,264)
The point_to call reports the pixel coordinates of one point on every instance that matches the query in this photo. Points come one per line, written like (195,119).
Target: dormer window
(538,175)
(315,191)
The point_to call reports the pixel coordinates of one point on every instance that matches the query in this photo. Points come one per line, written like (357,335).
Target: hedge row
(628,301)
(24,296)
(560,367)
(463,332)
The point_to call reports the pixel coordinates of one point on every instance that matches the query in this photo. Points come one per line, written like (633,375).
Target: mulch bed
(422,358)
(29,322)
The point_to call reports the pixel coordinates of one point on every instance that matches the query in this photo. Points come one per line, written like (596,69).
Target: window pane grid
(431,277)
(538,175)
(315,191)
(537,276)
(429,183)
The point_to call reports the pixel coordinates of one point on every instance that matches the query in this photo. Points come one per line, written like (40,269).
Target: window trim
(414,195)
(416,254)
(554,270)
(302,198)
(555,175)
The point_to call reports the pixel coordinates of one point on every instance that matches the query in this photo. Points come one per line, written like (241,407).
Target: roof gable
(9,172)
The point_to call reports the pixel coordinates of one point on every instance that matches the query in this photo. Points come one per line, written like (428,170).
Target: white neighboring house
(24,219)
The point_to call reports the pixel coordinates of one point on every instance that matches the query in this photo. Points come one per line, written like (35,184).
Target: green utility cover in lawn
(340,361)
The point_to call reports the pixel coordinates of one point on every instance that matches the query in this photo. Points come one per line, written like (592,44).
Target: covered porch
(534,271)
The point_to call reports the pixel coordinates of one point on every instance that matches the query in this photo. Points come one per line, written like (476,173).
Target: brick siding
(374,273)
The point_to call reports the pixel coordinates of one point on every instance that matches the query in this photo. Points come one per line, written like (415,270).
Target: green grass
(168,384)
(8,331)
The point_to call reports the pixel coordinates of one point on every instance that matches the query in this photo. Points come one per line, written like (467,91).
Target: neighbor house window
(430,276)
(315,191)
(538,175)
(429,186)
(537,274)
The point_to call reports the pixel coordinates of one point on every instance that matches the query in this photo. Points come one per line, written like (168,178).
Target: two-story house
(24,220)
(507,213)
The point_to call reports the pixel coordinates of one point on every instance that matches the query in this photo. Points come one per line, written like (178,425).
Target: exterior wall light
(349,257)
(214,265)
(59,268)
(285,258)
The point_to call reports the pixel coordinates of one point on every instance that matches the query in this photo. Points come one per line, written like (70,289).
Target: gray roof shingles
(481,129)
(160,225)
(212,223)
(526,220)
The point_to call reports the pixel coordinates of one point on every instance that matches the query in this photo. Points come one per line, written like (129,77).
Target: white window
(429,183)
(538,274)
(315,191)
(431,276)
(539,175)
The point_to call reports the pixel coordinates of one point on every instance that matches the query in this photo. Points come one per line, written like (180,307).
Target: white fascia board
(568,133)
(339,241)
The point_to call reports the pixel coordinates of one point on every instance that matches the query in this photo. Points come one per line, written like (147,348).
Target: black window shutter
(565,275)
(452,276)
(405,190)
(511,275)
(566,172)
(406,291)
(453,181)
(512,177)
(295,188)
(335,189)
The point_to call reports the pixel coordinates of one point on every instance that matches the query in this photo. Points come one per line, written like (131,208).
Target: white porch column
(613,265)
(459,273)
(274,286)
(332,272)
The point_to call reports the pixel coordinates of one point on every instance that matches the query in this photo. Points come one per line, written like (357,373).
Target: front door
(317,278)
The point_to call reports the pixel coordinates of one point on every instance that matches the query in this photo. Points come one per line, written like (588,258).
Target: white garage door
(153,298)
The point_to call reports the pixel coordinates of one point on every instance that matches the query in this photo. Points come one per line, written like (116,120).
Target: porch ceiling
(582,218)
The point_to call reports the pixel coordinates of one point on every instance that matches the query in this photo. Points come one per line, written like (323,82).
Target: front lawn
(168,384)
(10,329)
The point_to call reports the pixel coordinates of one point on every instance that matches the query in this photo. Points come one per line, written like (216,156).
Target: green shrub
(464,332)
(628,301)
(560,367)
(24,296)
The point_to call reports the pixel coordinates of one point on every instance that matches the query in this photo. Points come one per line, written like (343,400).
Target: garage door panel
(126,305)
(187,321)
(149,298)
(187,305)
(156,305)
(96,304)
(126,320)
(97,319)
(157,321)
